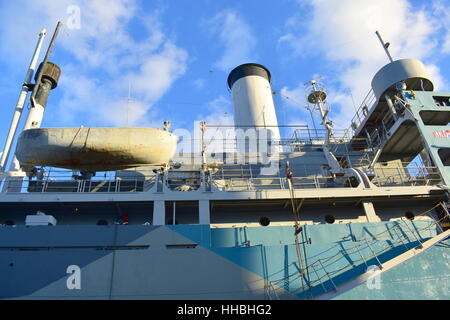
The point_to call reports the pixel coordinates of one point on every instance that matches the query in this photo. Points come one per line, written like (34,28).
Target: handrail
(361,114)
(387,265)
(235,176)
(326,264)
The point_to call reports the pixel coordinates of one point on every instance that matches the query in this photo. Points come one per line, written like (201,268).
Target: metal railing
(402,233)
(362,113)
(64,181)
(318,136)
(406,174)
(228,177)
(248,177)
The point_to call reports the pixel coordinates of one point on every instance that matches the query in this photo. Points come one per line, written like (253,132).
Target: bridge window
(444,154)
(436,118)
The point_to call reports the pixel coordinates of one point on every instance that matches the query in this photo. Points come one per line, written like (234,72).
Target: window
(409,215)
(436,118)
(264,221)
(444,154)
(442,101)
(330,219)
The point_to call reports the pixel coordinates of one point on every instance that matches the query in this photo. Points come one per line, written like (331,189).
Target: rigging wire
(298,229)
(299,105)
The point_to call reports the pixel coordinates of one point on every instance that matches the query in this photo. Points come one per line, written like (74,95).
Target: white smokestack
(252,99)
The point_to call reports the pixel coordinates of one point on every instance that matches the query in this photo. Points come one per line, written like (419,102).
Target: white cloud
(438,79)
(441,9)
(105,58)
(344,33)
(236,37)
(295,99)
(218,139)
(446,46)
(199,84)
(220,112)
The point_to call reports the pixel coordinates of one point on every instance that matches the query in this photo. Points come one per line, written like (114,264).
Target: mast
(26,87)
(316,97)
(385,46)
(46,80)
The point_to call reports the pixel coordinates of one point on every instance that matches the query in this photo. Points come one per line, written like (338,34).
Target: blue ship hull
(199,262)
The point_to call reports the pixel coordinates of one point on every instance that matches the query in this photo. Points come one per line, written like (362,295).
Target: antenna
(314,80)
(385,46)
(353,101)
(316,96)
(129,99)
(21,101)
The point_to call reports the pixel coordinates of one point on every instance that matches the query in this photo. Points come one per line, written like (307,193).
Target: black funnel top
(247,69)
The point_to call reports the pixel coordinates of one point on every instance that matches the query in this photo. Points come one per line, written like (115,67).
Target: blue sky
(176,55)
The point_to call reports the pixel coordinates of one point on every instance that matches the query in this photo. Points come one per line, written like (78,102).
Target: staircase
(383,267)
(348,264)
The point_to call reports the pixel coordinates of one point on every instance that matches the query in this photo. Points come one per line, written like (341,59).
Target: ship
(122,213)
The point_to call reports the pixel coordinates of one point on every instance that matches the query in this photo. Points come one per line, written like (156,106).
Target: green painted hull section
(424,277)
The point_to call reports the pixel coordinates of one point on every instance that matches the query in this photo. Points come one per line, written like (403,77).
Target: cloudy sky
(175,56)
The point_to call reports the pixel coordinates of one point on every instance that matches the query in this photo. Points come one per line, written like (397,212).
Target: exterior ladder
(385,266)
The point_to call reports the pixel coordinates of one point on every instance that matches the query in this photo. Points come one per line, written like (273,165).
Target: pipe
(391,106)
(43,86)
(49,81)
(47,55)
(21,101)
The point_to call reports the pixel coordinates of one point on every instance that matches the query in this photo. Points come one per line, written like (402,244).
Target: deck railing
(325,274)
(227,178)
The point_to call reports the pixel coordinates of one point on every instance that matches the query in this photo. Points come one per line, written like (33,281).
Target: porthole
(330,219)
(409,215)
(264,221)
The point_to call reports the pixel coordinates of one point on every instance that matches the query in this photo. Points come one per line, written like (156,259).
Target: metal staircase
(369,255)
(383,267)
